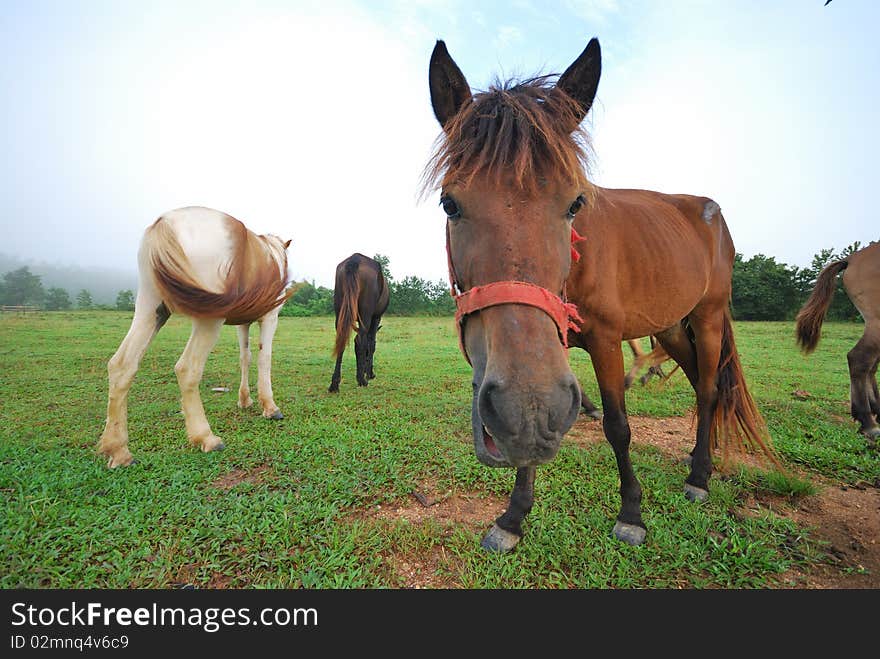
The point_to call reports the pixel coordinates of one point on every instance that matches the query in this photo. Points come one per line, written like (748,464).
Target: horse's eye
(450,208)
(576,205)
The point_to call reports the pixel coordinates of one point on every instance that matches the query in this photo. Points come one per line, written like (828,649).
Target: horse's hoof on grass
(629,533)
(276,415)
(593,414)
(872,433)
(694,493)
(499,540)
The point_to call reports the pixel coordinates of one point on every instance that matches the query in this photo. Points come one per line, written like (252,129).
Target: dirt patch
(847,519)
(460,508)
(434,568)
(230,479)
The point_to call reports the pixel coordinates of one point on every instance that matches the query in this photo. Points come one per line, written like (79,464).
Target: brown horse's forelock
(529,131)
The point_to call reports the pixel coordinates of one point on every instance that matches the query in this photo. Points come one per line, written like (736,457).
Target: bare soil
(845,519)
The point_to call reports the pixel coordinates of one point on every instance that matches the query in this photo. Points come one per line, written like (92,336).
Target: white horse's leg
(149,316)
(189,369)
(244,351)
(268,324)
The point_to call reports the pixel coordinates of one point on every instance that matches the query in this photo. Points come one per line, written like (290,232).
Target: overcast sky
(312,120)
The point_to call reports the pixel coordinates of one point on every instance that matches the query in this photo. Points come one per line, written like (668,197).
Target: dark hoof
(220,447)
(333,389)
(499,540)
(133,462)
(694,493)
(362,384)
(277,415)
(629,533)
(871,433)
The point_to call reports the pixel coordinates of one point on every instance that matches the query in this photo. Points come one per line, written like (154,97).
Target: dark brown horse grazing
(511,167)
(360,297)
(861,281)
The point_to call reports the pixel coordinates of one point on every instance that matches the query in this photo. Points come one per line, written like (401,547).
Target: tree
(57,299)
(763,289)
(385,264)
(125,300)
(84,300)
(22,287)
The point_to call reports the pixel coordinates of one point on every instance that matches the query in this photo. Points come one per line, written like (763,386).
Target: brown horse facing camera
(510,165)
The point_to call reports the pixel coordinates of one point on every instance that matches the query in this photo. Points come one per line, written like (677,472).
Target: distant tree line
(762,290)
(21,287)
(766,290)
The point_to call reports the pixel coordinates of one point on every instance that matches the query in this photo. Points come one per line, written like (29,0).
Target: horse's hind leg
(360,354)
(244,359)
(507,530)
(337,375)
(371,346)
(268,325)
(149,316)
(189,369)
(862,360)
(707,345)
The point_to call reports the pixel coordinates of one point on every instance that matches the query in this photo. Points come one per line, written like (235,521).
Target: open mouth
(491,447)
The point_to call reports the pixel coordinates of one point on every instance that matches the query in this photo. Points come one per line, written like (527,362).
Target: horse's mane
(527,129)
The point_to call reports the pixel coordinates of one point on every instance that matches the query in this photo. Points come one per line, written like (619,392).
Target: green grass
(302,517)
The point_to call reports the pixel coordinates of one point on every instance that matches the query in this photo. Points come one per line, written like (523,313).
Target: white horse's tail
(253,286)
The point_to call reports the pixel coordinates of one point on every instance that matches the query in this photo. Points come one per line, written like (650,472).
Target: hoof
(120,459)
(213,444)
(872,433)
(276,415)
(694,493)
(333,388)
(629,533)
(499,540)
(593,414)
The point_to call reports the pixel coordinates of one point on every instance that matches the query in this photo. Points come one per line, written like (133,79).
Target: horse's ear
(287,244)
(449,89)
(581,79)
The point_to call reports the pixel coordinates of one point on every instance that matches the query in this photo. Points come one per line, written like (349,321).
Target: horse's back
(650,258)
(861,279)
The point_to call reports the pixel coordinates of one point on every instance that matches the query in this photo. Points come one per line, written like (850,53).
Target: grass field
(320,499)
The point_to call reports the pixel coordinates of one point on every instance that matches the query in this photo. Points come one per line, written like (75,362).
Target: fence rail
(18,308)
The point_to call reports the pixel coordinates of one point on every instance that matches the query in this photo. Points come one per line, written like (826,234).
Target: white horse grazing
(207,265)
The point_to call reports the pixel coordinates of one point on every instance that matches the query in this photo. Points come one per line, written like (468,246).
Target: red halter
(564,314)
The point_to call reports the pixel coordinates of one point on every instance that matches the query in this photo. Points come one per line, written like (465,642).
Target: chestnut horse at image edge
(861,281)
(541,258)
(360,297)
(207,265)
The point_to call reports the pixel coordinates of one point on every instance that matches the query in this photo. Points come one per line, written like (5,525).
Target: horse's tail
(738,425)
(812,314)
(347,316)
(253,287)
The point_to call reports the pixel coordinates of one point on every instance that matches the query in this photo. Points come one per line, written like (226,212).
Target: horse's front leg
(268,325)
(607,359)
(244,360)
(507,530)
(189,369)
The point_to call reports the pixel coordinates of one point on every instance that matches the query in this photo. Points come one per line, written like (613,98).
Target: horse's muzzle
(516,427)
